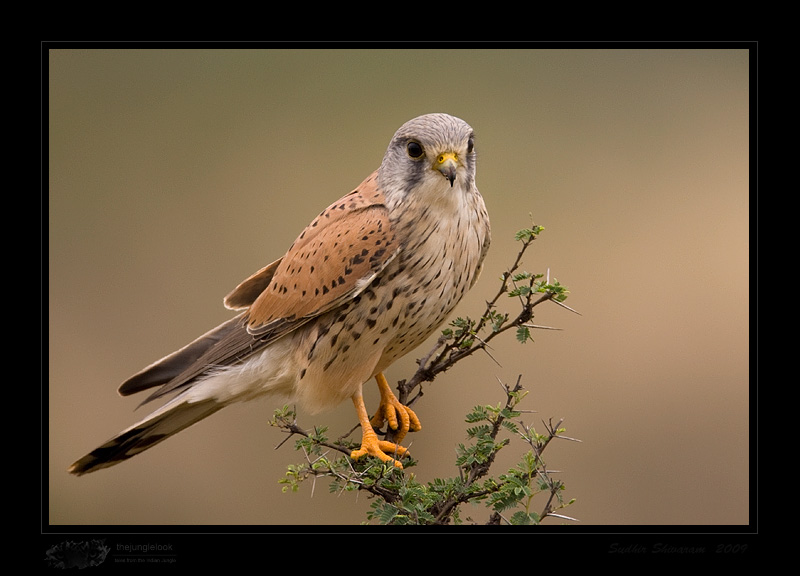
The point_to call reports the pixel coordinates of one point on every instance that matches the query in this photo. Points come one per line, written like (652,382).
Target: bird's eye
(414,149)
(470,145)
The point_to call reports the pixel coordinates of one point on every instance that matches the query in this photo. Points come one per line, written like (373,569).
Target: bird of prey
(367,281)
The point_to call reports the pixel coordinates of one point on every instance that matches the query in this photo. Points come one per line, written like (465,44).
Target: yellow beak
(447,164)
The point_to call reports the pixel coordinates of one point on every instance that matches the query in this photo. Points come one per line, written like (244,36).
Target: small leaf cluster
(533,284)
(528,235)
(462,333)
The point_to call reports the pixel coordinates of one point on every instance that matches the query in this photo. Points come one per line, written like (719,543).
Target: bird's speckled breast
(438,265)
(413,295)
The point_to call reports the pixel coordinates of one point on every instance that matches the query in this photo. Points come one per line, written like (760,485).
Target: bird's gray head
(434,152)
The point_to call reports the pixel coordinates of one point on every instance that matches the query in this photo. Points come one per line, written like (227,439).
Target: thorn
(567,438)
(562,516)
(540,327)
(282,442)
(565,306)
(486,348)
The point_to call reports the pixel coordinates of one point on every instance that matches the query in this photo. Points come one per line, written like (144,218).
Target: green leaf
(520,518)
(522,276)
(528,234)
(520,291)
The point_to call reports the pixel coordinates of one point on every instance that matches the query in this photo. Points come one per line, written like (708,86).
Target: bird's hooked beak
(447,163)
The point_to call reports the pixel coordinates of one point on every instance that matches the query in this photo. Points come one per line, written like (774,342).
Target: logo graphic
(77,554)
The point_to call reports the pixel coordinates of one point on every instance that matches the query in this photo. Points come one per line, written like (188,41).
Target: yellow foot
(370,445)
(400,417)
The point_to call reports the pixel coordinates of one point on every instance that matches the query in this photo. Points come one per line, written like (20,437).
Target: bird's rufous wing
(333,260)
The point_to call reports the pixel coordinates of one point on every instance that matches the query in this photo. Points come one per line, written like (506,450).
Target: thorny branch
(475,471)
(452,352)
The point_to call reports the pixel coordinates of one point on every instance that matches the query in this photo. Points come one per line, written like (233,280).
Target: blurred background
(175,174)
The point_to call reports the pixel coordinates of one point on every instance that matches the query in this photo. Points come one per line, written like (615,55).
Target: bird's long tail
(170,419)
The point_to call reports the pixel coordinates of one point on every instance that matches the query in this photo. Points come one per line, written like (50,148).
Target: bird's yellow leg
(370,445)
(389,410)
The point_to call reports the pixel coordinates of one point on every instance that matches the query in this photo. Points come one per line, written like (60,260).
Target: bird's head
(431,154)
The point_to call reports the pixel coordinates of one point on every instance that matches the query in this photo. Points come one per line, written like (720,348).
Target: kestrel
(365,283)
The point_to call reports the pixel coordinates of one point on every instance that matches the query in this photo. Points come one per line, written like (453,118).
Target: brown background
(174,174)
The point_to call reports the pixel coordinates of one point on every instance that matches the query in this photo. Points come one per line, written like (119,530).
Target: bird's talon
(400,417)
(371,446)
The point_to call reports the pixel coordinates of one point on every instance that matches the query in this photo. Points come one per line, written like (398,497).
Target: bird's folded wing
(335,258)
(332,261)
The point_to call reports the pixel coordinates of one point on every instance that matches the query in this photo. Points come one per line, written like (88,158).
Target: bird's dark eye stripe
(414,149)
(470,145)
